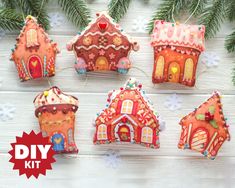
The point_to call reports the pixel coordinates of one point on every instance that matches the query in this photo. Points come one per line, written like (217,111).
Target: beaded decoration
(34,54)
(205,129)
(177,48)
(129,117)
(102,46)
(55,111)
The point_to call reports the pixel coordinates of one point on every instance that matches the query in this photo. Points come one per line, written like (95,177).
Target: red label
(32,154)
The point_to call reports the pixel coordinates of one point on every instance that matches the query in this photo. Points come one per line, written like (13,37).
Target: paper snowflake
(56,19)
(112,159)
(162,123)
(139,24)
(173,102)
(210,59)
(7,112)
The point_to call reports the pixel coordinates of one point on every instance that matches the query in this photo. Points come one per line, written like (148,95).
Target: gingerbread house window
(31,38)
(127,106)
(147,135)
(160,67)
(188,71)
(102,132)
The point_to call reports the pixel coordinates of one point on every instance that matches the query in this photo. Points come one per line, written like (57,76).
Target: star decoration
(91,56)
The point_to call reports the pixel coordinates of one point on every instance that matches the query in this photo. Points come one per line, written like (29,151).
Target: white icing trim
(128,125)
(128,117)
(102,34)
(102,47)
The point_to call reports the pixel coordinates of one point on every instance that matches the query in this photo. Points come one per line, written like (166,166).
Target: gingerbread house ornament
(34,54)
(205,129)
(177,48)
(102,46)
(129,117)
(55,111)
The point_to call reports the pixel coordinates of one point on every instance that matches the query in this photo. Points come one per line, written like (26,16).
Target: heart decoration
(34,63)
(103,25)
(174,69)
(57,140)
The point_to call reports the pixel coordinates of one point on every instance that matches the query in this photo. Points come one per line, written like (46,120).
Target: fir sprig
(9,4)
(118,8)
(230,42)
(197,6)
(10,20)
(212,17)
(230,9)
(165,12)
(76,11)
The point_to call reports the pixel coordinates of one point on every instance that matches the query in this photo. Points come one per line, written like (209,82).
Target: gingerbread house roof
(215,101)
(175,34)
(103,25)
(31,23)
(145,113)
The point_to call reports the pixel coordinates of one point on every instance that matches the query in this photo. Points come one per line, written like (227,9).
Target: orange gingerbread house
(102,46)
(129,117)
(205,129)
(176,51)
(34,54)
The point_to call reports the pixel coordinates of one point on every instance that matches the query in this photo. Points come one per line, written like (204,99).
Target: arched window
(188,69)
(147,135)
(31,38)
(159,71)
(127,106)
(102,132)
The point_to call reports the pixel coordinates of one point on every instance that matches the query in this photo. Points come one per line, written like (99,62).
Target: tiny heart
(34,63)
(174,69)
(102,25)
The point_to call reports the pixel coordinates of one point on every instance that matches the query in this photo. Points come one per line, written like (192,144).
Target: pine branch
(212,17)
(118,8)
(167,8)
(9,4)
(197,6)
(233,75)
(35,8)
(10,19)
(230,42)
(230,10)
(76,11)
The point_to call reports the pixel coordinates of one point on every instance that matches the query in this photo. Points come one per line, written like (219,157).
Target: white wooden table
(138,166)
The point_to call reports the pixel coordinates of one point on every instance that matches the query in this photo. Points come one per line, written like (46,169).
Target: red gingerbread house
(205,129)
(34,54)
(102,46)
(176,51)
(129,117)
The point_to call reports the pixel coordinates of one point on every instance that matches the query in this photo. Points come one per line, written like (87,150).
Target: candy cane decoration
(211,141)
(44,65)
(189,132)
(25,70)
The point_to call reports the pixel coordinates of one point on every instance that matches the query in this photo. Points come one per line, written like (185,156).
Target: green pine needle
(233,76)
(197,6)
(212,17)
(10,19)
(118,8)
(230,10)
(165,11)
(76,11)
(9,4)
(230,42)
(35,8)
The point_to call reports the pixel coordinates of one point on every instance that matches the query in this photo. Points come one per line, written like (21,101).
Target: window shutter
(119,106)
(135,106)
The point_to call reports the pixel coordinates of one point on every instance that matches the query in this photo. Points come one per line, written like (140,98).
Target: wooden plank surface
(138,166)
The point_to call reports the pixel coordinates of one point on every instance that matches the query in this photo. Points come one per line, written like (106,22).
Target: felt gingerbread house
(102,46)
(205,129)
(55,111)
(129,117)
(176,51)
(34,54)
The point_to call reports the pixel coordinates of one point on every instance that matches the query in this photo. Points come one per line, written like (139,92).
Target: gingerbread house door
(124,133)
(174,72)
(102,63)
(35,67)
(199,139)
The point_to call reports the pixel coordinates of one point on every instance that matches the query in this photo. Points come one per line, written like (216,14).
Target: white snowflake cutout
(139,24)
(112,159)
(162,123)
(210,59)
(173,102)
(56,19)
(7,111)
